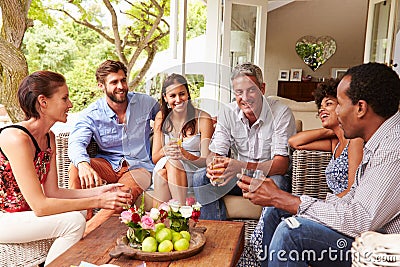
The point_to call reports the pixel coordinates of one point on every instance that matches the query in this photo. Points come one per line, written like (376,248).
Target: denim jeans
(210,197)
(311,243)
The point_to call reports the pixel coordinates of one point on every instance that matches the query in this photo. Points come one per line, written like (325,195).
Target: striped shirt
(373,203)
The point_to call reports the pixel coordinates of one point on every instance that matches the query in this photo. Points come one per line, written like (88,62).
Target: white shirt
(267,137)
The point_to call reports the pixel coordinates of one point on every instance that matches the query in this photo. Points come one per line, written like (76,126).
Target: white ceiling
(274,4)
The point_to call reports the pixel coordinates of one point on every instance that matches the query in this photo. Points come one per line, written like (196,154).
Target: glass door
(379,41)
(236,33)
(244,26)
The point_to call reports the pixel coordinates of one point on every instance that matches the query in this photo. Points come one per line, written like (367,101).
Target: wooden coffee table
(224,245)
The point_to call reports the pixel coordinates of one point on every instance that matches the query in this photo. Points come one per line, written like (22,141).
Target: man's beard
(115,99)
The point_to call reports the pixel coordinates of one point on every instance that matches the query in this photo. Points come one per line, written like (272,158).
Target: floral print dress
(337,171)
(11,198)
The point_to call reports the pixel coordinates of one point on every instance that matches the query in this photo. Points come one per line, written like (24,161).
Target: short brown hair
(107,67)
(38,83)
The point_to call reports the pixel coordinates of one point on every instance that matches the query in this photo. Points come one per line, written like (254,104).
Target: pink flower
(147,222)
(190,201)
(126,216)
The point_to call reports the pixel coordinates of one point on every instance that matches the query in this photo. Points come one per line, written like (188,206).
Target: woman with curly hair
(182,134)
(346,153)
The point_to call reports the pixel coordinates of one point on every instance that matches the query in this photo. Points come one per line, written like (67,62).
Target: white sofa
(304,111)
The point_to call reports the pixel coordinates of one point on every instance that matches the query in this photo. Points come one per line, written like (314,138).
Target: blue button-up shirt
(117,143)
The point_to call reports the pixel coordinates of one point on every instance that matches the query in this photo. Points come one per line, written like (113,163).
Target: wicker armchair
(63,160)
(308,174)
(24,254)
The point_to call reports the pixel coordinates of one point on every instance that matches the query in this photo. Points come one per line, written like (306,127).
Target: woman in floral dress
(341,170)
(32,205)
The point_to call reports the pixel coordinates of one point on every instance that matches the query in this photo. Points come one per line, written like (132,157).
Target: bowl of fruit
(166,245)
(163,234)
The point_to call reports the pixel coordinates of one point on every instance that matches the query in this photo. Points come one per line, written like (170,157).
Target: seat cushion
(238,207)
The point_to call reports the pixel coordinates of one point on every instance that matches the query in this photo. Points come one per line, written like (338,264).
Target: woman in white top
(176,161)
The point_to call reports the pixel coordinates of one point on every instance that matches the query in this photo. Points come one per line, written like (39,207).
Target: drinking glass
(176,143)
(216,160)
(257,174)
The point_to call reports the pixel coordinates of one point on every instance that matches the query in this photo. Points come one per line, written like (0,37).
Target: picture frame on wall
(283,75)
(338,72)
(295,75)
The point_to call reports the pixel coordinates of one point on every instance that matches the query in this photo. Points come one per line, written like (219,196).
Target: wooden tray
(197,242)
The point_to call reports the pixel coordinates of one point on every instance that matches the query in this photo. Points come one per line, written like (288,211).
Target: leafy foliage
(38,12)
(58,43)
(55,44)
(65,49)
(197,19)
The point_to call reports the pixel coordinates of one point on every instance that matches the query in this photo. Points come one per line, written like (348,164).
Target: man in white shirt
(257,130)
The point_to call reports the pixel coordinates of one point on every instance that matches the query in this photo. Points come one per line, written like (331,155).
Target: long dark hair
(190,121)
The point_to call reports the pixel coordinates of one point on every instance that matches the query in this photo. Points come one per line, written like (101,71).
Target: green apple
(181,244)
(163,234)
(149,244)
(176,236)
(159,226)
(185,234)
(165,246)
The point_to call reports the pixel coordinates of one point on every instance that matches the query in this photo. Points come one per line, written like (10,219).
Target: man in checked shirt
(321,232)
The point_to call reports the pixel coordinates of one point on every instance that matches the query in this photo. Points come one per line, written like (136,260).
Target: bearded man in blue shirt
(120,125)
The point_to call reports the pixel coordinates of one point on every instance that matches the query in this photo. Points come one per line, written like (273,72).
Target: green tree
(15,20)
(197,19)
(70,49)
(49,48)
(13,66)
(141,37)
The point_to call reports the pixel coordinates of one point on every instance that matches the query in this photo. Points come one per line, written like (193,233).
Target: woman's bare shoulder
(13,136)
(202,114)
(159,115)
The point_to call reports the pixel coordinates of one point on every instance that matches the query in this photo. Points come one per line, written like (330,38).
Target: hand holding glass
(174,146)
(217,160)
(257,174)
(258,178)
(128,201)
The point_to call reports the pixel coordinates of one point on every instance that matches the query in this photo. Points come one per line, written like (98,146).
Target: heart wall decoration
(315,51)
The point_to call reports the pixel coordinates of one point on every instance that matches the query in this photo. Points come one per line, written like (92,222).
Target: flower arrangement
(174,216)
